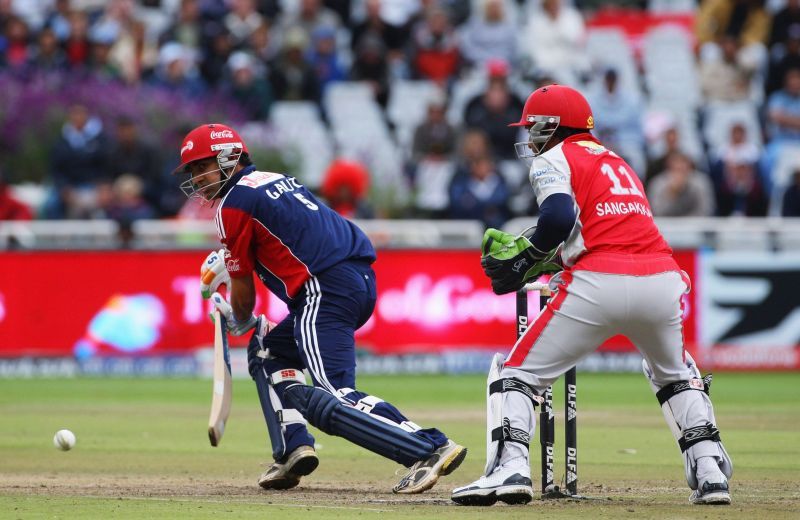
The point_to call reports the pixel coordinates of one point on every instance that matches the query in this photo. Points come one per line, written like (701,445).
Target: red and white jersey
(614,231)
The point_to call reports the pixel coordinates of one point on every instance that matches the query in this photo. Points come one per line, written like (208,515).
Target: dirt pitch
(770,500)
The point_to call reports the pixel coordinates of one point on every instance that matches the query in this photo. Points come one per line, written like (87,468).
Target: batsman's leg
(334,305)
(273,370)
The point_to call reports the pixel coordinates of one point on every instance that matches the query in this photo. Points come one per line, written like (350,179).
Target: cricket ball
(64,440)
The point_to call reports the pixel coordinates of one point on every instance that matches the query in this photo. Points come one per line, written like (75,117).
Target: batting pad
(509,414)
(334,417)
(687,408)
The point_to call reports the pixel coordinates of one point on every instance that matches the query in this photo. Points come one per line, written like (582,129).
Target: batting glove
(213,273)
(237,328)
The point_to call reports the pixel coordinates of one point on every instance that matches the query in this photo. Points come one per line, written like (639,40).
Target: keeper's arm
(556,220)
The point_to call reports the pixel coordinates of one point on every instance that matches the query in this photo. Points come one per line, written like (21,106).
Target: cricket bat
(223,388)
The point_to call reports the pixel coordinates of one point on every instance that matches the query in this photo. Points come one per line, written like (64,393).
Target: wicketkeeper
(618,277)
(320,265)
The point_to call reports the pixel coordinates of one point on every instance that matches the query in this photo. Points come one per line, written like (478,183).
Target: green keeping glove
(511,260)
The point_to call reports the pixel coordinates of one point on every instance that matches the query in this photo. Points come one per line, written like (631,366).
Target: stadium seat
(720,117)
(407,108)
(303,138)
(669,66)
(672,6)
(608,48)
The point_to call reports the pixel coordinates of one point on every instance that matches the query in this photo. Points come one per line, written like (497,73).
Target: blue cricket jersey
(272,224)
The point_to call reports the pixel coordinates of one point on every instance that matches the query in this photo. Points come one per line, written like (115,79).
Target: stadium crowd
(458,161)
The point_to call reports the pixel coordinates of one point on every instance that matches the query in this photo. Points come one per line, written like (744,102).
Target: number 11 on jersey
(617,188)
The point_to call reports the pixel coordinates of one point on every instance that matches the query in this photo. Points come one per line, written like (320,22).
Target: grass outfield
(142,452)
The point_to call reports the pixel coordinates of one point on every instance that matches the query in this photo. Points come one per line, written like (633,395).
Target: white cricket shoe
(711,493)
(509,485)
(302,461)
(424,474)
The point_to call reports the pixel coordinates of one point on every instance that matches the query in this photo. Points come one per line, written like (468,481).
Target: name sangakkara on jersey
(622,208)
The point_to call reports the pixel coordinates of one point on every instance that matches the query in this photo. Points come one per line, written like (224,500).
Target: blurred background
(394,112)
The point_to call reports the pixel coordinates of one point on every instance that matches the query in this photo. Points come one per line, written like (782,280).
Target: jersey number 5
(308,203)
(617,188)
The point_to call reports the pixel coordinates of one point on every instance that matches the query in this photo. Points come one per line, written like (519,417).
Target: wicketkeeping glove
(213,273)
(237,328)
(511,260)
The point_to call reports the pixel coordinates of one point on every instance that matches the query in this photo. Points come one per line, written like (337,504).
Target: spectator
(394,37)
(57,18)
(371,65)
(727,78)
(136,55)
(435,48)
(745,20)
(740,192)
(345,185)
(242,21)
(617,117)
(493,109)
(784,22)
(10,207)
(787,58)
(310,16)
(100,64)
(435,137)
(554,39)
(248,86)
(783,119)
(473,144)
(292,78)
(77,46)
(218,49)
(489,35)
(738,148)
(133,155)
(681,191)
(78,162)
(482,194)
(176,72)
(187,29)
(671,144)
(324,58)
(116,19)
(433,167)
(127,201)
(15,44)
(263,44)
(791,197)
(48,56)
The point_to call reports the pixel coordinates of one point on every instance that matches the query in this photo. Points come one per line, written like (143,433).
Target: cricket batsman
(618,277)
(320,265)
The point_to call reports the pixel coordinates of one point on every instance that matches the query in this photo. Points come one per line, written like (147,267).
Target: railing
(193,234)
(757,234)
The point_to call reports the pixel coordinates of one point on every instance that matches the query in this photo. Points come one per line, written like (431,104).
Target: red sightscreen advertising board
(148,303)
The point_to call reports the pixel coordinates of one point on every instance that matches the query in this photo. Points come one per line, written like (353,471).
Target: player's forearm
(556,220)
(243,298)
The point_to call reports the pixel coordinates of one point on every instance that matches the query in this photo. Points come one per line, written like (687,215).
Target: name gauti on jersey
(613,214)
(273,225)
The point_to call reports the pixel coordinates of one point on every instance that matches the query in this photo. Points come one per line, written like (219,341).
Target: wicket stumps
(547,426)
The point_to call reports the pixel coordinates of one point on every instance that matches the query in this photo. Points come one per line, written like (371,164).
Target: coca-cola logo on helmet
(188,146)
(221,134)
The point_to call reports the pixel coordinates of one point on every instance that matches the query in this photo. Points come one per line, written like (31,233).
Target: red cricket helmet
(546,109)
(208,141)
(204,142)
